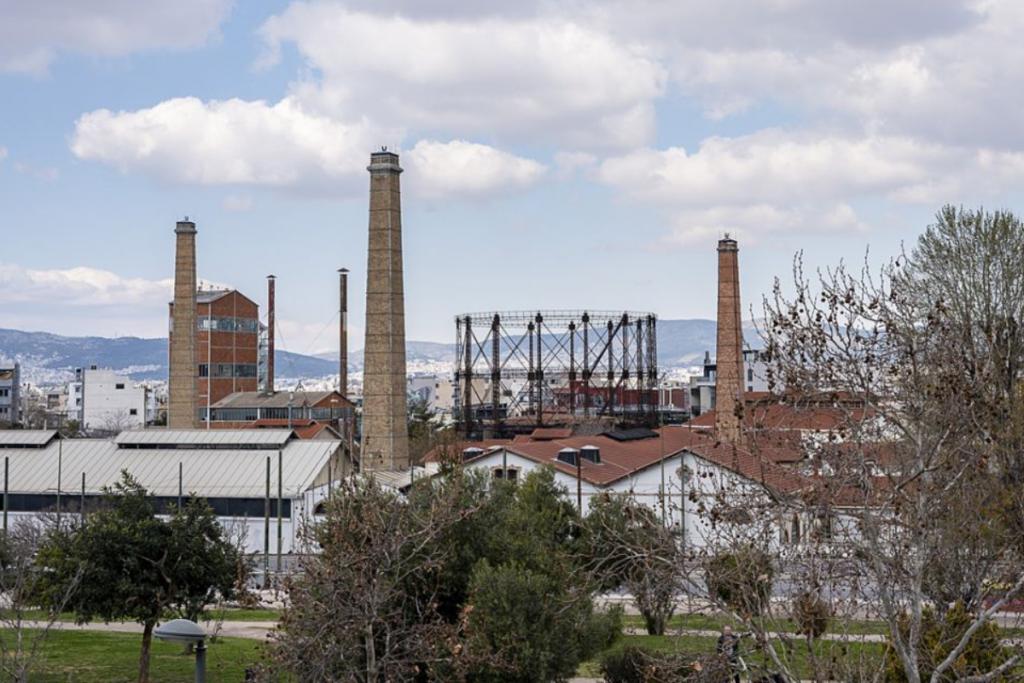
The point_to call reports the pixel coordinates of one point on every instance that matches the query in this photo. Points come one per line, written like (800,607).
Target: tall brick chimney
(385,440)
(271,316)
(181,401)
(729,362)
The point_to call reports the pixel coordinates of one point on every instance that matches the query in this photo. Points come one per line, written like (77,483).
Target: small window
(509,474)
(133,411)
(119,385)
(204,370)
(750,374)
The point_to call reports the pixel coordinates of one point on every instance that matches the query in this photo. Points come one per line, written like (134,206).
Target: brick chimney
(271,314)
(181,402)
(385,440)
(729,361)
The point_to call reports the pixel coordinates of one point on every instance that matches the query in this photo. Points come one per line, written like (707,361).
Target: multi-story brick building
(230,349)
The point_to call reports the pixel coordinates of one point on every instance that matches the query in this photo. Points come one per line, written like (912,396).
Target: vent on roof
(568,456)
(631,434)
(471,452)
(591,453)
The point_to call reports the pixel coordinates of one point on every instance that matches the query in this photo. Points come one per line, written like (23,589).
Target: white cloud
(771,166)
(753,223)
(233,141)
(32,33)
(460,168)
(79,287)
(774,181)
(524,78)
(3,153)
(252,143)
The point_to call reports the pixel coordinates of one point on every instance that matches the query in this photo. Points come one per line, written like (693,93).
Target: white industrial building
(684,474)
(104,401)
(228,468)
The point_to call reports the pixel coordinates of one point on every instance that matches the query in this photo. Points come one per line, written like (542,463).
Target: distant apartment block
(104,401)
(10,395)
(230,348)
(702,388)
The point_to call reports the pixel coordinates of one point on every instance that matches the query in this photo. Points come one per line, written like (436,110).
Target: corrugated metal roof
(26,437)
(206,296)
(404,479)
(206,472)
(278,399)
(203,437)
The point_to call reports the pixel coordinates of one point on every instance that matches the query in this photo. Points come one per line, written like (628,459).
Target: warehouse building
(237,471)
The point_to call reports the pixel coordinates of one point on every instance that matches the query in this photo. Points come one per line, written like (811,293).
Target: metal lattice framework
(543,367)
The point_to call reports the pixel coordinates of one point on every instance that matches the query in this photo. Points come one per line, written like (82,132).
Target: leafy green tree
(524,625)
(131,564)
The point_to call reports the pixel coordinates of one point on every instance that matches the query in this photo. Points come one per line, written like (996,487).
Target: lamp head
(180,631)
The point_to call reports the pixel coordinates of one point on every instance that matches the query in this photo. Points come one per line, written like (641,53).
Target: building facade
(10,395)
(109,402)
(702,388)
(229,469)
(229,354)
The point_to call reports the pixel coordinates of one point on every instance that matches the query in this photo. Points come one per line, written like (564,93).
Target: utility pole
(343,331)
(280,460)
(266,531)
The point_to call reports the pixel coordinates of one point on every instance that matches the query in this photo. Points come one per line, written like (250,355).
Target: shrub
(939,635)
(741,579)
(811,615)
(524,626)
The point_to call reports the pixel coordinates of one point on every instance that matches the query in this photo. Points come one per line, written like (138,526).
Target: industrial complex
(575,390)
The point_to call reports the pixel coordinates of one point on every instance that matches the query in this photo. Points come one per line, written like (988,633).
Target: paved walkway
(255,630)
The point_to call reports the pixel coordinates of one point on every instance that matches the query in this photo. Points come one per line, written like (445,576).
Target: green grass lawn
(97,657)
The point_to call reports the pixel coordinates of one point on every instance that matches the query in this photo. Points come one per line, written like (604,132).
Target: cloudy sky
(557,154)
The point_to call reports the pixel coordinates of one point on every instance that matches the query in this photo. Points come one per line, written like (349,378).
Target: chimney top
(271,277)
(727,243)
(384,162)
(185,227)
(342,270)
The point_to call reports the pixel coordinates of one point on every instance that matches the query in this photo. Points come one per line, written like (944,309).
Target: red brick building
(229,354)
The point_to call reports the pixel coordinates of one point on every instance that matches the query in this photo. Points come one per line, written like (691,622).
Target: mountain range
(51,359)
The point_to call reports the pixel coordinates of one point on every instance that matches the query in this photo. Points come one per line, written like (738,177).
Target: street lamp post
(190,633)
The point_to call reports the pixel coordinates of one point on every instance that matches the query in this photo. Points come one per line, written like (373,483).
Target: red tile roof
(765,415)
(549,433)
(621,459)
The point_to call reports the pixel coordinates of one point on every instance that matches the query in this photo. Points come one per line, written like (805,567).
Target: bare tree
(24,630)
(910,486)
(375,583)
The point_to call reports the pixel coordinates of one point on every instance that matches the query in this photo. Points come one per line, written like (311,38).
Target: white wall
(105,406)
(707,485)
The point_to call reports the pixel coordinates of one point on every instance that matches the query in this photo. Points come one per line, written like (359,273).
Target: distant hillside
(50,358)
(422,351)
